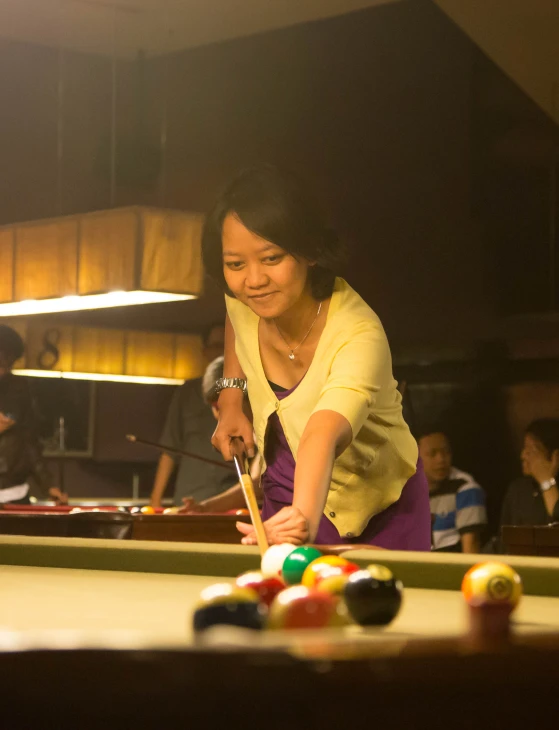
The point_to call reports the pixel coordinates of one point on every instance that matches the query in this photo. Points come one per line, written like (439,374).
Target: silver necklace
(293,349)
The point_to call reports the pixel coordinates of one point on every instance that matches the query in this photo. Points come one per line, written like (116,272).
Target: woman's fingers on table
(287,525)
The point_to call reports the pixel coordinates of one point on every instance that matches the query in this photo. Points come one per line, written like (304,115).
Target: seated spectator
(21,462)
(457,501)
(189,427)
(533,499)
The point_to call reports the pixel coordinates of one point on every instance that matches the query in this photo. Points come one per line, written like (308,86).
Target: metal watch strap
(546,486)
(222,383)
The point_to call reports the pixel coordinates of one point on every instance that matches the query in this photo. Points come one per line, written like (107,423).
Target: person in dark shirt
(21,462)
(189,426)
(533,499)
(231,498)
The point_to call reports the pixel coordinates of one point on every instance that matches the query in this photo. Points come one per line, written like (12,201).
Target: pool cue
(180,452)
(239,457)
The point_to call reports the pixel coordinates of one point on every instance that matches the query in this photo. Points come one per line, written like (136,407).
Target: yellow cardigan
(351,373)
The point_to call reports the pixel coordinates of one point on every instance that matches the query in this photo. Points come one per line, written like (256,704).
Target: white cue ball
(272,560)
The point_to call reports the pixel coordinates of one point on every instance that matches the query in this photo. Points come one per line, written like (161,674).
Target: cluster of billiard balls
(300,588)
(146,510)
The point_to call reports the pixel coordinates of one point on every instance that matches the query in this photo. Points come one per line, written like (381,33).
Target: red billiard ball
(266,587)
(299,607)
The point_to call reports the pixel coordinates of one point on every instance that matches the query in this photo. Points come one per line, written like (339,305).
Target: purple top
(405,525)
(278,479)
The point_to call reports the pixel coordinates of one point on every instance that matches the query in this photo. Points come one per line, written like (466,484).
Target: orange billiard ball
(313,570)
(492,583)
(147,510)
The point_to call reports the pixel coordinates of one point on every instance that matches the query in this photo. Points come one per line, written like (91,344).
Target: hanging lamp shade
(94,353)
(116,257)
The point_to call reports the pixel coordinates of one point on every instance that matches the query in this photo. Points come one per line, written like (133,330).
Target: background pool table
(125,609)
(111,524)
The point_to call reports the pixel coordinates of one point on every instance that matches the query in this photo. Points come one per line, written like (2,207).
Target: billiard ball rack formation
(299,588)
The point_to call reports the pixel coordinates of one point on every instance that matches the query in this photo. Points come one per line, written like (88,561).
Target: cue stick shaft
(180,452)
(239,457)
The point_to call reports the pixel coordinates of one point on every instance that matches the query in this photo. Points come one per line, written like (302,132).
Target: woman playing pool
(341,465)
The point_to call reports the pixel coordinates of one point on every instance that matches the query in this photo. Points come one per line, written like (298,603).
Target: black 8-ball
(373,596)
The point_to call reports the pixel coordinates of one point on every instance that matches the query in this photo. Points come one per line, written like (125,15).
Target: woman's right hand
(232,422)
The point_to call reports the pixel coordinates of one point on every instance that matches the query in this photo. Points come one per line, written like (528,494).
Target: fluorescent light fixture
(107,377)
(89,301)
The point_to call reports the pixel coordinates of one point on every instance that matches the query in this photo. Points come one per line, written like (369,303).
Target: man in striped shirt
(457,501)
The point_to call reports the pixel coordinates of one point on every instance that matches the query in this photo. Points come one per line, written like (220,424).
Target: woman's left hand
(287,525)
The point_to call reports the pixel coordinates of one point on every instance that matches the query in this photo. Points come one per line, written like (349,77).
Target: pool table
(97,633)
(109,523)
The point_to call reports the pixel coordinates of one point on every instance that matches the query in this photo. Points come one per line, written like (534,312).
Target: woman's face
(260,274)
(533,456)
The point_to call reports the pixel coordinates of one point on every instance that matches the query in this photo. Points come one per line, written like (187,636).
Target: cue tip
(131,437)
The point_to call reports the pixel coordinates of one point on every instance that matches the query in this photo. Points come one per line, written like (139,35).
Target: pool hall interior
(428,130)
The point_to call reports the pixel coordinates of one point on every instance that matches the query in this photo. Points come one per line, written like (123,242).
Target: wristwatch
(222,383)
(547,484)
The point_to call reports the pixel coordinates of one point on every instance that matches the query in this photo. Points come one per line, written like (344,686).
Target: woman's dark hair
(273,205)
(11,344)
(546,431)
